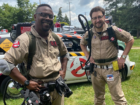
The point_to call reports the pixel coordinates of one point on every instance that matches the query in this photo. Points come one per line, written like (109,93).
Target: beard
(101,23)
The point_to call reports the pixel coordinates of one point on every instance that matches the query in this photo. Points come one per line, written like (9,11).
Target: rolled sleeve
(122,34)
(83,40)
(17,55)
(5,67)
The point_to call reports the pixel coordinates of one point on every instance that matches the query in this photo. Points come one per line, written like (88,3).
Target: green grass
(136,42)
(83,92)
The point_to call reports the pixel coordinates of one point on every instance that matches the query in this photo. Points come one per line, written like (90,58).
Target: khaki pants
(114,83)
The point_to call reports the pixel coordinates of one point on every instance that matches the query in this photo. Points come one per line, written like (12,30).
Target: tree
(125,13)
(11,15)
(25,11)
(7,16)
(59,16)
(66,19)
(55,19)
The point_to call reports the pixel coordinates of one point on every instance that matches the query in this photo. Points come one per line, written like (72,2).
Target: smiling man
(45,68)
(104,56)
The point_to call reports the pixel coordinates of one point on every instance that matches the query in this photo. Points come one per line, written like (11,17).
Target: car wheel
(11,91)
(123,73)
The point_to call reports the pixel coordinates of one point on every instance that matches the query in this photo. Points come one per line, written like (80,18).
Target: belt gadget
(105,60)
(103,66)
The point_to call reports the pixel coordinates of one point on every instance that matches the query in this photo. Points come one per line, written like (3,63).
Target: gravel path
(135,48)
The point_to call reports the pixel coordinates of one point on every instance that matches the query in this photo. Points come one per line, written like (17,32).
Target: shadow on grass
(75,85)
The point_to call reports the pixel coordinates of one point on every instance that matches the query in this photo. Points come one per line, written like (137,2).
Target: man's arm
(17,76)
(121,61)
(84,49)
(64,61)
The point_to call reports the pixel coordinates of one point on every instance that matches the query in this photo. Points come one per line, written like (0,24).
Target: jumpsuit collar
(35,33)
(104,28)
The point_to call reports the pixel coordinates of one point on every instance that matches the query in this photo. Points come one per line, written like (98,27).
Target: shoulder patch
(16,44)
(119,29)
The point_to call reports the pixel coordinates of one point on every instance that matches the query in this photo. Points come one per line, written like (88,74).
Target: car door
(75,66)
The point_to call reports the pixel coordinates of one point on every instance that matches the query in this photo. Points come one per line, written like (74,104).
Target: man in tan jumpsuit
(45,65)
(104,56)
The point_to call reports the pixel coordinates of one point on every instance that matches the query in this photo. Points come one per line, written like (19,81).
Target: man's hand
(91,60)
(62,73)
(121,62)
(33,86)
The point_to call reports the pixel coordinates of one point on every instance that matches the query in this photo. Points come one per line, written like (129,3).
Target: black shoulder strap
(112,36)
(89,42)
(32,49)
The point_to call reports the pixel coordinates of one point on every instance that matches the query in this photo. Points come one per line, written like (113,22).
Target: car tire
(9,92)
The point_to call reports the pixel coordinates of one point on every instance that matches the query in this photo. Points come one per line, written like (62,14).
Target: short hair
(96,9)
(41,5)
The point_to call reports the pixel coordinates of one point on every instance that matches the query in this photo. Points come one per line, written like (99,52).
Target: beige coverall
(45,65)
(102,48)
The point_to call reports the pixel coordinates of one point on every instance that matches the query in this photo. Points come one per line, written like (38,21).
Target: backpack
(32,49)
(111,34)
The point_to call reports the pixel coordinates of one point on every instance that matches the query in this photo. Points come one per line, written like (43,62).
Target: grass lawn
(136,42)
(83,92)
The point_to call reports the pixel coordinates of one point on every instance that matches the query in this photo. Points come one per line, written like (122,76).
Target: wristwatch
(124,56)
(26,83)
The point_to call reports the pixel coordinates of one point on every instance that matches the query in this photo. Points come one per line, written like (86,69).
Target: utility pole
(85,14)
(69,14)
(40,1)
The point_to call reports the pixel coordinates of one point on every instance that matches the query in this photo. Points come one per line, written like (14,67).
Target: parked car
(75,72)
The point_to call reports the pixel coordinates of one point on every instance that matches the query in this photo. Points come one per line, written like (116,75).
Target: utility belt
(103,66)
(60,86)
(105,60)
(113,65)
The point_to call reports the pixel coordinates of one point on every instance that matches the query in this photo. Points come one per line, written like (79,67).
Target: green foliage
(25,11)
(11,15)
(7,16)
(126,14)
(65,23)
(61,19)
(55,19)
(59,16)
(66,19)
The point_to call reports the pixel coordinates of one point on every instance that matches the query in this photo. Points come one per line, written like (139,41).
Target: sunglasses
(99,17)
(45,15)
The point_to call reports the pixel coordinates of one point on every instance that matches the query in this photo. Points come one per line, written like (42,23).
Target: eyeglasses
(45,15)
(99,17)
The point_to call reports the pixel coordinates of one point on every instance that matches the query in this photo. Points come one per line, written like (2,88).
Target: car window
(72,44)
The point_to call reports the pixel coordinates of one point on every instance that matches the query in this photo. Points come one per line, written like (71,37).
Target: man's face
(98,19)
(43,18)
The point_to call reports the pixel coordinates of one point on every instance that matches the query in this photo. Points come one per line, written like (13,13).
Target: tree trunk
(138,33)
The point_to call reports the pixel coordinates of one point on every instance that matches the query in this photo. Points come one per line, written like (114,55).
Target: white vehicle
(74,73)
(69,29)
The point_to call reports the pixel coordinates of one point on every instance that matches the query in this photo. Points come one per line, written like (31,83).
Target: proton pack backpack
(111,34)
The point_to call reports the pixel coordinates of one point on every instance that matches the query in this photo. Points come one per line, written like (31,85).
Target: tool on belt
(62,88)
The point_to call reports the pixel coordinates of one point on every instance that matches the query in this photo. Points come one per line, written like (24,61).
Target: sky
(76,7)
